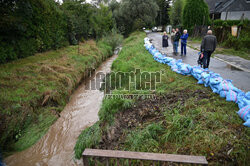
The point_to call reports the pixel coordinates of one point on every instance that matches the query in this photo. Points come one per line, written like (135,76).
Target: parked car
(159,29)
(154,29)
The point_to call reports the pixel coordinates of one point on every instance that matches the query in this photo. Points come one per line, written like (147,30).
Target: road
(241,79)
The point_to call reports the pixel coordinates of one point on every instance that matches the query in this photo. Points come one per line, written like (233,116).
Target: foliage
(112,39)
(231,22)
(240,43)
(163,16)
(195,13)
(31,26)
(131,15)
(102,21)
(89,137)
(176,12)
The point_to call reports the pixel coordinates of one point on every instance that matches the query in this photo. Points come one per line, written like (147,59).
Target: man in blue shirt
(184,38)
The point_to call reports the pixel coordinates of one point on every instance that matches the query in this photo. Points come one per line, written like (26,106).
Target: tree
(176,12)
(162,16)
(195,13)
(102,21)
(131,15)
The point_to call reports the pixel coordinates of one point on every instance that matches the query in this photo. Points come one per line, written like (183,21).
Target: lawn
(182,117)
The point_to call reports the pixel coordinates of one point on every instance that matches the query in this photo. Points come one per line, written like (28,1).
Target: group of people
(175,38)
(208,44)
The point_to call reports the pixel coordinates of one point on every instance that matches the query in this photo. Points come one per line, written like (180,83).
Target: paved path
(236,61)
(241,79)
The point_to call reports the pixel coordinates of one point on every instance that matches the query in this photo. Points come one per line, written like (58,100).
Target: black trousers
(206,59)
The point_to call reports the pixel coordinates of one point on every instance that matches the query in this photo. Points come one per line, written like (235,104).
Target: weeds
(89,137)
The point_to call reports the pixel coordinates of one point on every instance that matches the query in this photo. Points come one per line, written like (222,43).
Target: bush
(237,44)
(113,39)
(231,22)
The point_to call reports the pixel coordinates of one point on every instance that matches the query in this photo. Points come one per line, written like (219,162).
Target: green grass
(243,53)
(34,90)
(230,51)
(194,124)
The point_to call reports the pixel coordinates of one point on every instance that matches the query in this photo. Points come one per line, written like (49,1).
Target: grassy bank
(243,53)
(34,90)
(183,117)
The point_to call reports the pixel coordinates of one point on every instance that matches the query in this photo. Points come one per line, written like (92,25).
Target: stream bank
(56,147)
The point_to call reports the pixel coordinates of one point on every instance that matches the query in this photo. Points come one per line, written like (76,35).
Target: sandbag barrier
(224,88)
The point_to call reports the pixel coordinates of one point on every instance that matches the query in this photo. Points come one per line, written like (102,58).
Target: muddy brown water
(57,146)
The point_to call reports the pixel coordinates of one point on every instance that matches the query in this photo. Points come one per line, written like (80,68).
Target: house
(229,9)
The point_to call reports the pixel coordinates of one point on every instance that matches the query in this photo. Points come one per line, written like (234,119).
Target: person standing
(184,38)
(172,39)
(176,40)
(208,46)
(165,40)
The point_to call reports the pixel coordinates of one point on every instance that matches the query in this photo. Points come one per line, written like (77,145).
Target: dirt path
(57,146)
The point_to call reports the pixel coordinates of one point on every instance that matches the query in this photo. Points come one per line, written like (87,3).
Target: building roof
(218,6)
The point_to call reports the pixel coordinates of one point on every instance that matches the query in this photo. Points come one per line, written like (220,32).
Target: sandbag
(244,113)
(242,100)
(166,60)
(196,72)
(223,93)
(185,69)
(231,96)
(214,82)
(248,95)
(224,88)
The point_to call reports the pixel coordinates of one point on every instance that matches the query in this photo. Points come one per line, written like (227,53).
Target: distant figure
(208,46)
(165,40)
(176,40)
(172,39)
(184,38)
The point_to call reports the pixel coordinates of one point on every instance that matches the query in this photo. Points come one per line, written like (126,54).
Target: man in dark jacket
(176,40)
(208,46)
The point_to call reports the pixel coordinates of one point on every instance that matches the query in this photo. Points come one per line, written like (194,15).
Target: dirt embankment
(143,112)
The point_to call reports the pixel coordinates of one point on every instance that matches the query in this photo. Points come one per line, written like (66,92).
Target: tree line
(31,26)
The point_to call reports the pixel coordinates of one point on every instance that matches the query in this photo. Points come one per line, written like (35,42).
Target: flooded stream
(57,146)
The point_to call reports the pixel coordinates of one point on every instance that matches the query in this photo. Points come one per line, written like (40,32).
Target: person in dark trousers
(176,40)
(184,38)
(208,46)
(165,40)
(172,39)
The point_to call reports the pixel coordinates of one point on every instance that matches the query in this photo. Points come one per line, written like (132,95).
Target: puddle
(233,68)
(57,146)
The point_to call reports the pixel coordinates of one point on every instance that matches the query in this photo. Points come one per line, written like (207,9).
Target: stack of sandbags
(224,88)
(184,69)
